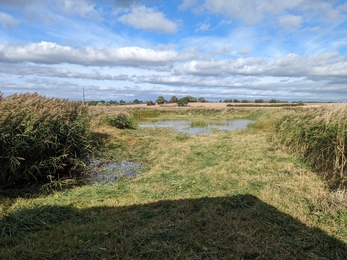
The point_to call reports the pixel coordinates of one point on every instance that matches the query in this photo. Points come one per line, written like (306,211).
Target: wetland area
(187,189)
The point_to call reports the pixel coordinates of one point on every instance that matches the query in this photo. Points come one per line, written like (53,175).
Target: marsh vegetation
(256,193)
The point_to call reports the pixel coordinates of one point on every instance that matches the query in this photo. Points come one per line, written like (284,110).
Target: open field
(228,195)
(211,105)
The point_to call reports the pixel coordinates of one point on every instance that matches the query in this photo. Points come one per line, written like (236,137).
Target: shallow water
(102,171)
(184,125)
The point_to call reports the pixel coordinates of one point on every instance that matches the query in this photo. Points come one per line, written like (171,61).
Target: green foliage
(259,101)
(201,100)
(199,123)
(160,100)
(122,121)
(41,139)
(320,137)
(182,102)
(236,101)
(150,103)
(244,101)
(191,99)
(173,99)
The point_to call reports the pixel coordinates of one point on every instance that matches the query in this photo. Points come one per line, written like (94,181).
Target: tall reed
(318,135)
(41,139)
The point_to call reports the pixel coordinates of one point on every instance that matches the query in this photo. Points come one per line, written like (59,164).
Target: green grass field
(228,195)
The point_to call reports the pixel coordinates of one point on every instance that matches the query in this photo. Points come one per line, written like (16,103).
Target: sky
(217,49)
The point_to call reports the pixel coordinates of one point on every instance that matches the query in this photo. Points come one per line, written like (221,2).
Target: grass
(199,123)
(228,195)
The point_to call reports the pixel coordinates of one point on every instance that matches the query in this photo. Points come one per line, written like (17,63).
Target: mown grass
(228,195)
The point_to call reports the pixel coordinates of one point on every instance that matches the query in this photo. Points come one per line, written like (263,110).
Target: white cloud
(292,65)
(7,21)
(290,22)
(82,8)
(57,72)
(52,53)
(148,19)
(244,51)
(251,11)
(186,4)
(203,27)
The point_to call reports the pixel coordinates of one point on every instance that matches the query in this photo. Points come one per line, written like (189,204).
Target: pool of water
(185,125)
(105,171)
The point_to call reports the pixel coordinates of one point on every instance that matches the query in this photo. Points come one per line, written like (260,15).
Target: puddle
(185,125)
(105,171)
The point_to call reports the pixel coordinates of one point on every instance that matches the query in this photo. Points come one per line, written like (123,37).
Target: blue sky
(133,49)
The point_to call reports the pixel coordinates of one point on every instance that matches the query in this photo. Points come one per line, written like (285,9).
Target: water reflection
(185,125)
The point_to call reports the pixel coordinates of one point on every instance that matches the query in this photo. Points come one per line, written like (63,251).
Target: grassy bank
(228,195)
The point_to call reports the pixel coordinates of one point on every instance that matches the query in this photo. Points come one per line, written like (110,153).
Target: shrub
(41,139)
(122,121)
(160,100)
(182,102)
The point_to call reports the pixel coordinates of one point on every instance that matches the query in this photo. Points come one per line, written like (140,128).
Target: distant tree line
(112,102)
(181,101)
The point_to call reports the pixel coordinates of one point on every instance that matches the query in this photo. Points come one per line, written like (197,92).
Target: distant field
(221,105)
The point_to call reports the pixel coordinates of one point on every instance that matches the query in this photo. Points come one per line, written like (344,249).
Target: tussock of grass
(198,124)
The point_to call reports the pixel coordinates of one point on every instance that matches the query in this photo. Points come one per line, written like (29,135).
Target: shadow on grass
(239,227)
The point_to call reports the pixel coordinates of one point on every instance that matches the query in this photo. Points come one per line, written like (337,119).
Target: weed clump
(320,137)
(41,139)
(122,121)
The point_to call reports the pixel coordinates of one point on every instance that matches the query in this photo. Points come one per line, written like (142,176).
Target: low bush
(41,139)
(122,121)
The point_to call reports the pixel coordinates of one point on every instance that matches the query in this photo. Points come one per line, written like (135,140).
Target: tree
(273,101)
(201,100)
(259,101)
(244,101)
(236,101)
(191,99)
(160,100)
(150,103)
(182,102)
(113,102)
(136,101)
(173,99)
(228,101)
